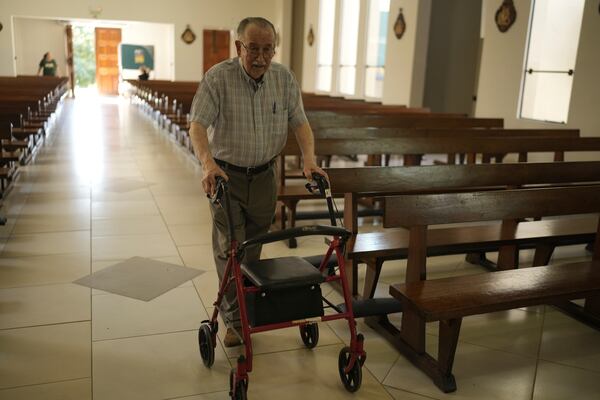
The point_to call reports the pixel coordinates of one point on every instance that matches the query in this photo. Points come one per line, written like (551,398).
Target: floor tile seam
(385,386)
(539,350)
(46,232)
(10,256)
(143,335)
(45,255)
(42,285)
(206,308)
(562,364)
(187,396)
(120,259)
(46,325)
(128,235)
(388,372)
(46,383)
(12,228)
(299,348)
(514,353)
(106,293)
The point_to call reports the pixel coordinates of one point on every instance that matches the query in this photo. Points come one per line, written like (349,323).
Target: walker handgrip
(313,230)
(220,188)
(319,185)
(321,182)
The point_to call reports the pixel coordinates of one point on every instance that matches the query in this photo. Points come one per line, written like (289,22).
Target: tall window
(550,63)
(376,41)
(348,39)
(325,42)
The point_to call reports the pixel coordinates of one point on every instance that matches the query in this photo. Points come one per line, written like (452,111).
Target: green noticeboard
(134,56)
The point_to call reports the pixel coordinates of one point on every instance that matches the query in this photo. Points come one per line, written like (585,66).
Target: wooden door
(107,60)
(216,47)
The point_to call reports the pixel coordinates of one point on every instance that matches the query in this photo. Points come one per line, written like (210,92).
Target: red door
(216,47)
(107,60)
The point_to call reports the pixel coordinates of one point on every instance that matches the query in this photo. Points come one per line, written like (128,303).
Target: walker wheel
(353,378)
(206,343)
(241,387)
(310,334)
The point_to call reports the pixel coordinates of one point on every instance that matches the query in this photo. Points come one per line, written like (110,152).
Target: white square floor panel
(139,278)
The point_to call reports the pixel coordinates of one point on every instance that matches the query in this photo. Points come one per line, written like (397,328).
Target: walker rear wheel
(206,344)
(310,335)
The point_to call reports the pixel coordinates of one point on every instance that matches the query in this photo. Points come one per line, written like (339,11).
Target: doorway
(107,60)
(216,47)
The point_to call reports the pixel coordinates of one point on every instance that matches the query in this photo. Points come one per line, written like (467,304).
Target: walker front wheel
(353,378)
(240,391)
(206,344)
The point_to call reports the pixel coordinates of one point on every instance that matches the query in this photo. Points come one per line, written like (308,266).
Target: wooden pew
(290,196)
(314,102)
(26,103)
(429,121)
(449,300)
(374,248)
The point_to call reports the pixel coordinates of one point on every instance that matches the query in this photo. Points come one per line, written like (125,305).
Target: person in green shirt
(47,65)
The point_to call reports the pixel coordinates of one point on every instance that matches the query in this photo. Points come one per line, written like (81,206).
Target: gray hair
(258,21)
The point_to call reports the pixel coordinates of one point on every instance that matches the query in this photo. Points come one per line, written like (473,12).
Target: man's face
(256,50)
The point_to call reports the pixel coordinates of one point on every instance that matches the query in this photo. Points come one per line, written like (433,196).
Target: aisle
(109,185)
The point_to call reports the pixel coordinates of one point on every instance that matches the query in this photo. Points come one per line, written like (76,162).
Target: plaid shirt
(247,122)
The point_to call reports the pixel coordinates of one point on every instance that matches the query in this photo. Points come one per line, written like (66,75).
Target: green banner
(133,56)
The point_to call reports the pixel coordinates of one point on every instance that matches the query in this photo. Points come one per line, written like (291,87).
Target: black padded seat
(281,273)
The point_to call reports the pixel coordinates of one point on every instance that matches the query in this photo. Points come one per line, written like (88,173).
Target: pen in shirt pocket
(274,107)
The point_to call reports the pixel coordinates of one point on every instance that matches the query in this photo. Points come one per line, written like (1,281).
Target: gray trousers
(252,202)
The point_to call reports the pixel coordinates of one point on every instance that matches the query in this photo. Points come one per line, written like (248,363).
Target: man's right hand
(210,171)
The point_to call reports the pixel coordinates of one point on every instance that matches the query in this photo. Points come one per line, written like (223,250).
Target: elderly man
(239,123)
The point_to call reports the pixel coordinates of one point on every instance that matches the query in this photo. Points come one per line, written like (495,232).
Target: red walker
(268,292)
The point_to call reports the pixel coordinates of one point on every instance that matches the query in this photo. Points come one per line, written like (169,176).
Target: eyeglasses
(267,52)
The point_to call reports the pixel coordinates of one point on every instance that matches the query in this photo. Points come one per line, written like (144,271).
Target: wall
(502,69)
(158,35)
(309,56)
(452,56)
(31,31)
(298,38)
(199,14)
(406,58)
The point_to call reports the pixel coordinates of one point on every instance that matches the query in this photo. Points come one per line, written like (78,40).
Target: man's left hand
(310,168)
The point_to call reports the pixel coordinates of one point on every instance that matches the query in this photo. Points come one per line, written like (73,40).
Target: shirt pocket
(279,121)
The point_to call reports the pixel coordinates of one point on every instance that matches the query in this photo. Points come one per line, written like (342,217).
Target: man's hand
(310,167)
(210,171)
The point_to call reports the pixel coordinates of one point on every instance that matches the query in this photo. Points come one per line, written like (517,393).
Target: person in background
(240,118)
(47,65)
(144,73)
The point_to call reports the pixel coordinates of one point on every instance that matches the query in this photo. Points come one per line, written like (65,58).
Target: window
(376,41)
(550,63)
(348,39)
(325,43)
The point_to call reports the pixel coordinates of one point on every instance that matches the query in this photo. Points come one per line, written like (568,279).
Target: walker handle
(220,188)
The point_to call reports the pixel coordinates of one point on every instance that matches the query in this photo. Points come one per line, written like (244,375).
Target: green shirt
(49,67)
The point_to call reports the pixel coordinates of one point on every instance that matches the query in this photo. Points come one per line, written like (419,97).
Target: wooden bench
(314,102)
(289,196)
(448,300)
(26,104)
(374,248)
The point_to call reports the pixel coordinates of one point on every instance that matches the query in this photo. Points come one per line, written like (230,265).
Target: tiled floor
(109,185)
